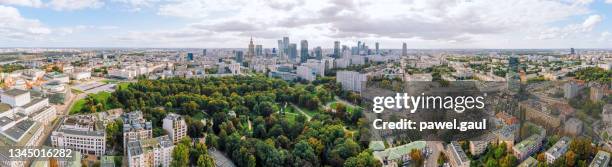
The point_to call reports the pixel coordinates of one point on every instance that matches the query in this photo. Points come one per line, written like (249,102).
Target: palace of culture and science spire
(251,51)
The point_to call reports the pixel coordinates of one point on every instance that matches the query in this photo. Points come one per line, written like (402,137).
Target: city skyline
(421,24)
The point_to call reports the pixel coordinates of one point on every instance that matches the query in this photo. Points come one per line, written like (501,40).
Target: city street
(435,147)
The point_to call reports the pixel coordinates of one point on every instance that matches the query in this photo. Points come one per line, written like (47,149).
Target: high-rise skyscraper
(292,52)
(404,49)
(238,55)
(189,56)
(358,46)
(377,51)
(204,52)
(572,51)
(251,51)
(258,50)
(286,45)
(318,53)
(513,64)
(303,51)
(336,49)
(281,48)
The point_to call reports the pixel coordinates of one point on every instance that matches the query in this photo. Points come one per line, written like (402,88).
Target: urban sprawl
(292,105)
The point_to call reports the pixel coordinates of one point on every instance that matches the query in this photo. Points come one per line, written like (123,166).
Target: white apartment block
(343,62)
(351,80)
(306,73)
(83,133)
(15,97)
(80,75)
(557,150)
(176,127)
(123,73)
(318,66)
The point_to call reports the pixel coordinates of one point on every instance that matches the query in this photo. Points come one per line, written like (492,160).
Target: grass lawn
(311,113)
(123,85)
(291,116)
(198,116)
(349,108)
(79,104)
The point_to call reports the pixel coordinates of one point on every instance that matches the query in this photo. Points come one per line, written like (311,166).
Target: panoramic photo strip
(305,83)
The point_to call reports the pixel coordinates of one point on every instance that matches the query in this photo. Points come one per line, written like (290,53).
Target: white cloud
(444,20)
(584,2)
(74,4)
(200,8)
(609,1)
(29,3)
(13,26)
(137,5)
(571,30)
(591,22)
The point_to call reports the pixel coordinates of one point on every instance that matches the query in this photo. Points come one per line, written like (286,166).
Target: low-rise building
(57,76)
(557,150)
(529,162)
(527,147)
(15,97)
(390,156)
(479,145)
(83,133)
(602,159)
(80,75)
(456,155)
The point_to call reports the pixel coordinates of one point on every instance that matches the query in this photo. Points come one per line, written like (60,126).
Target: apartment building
(150,152)
(135,128)
(176,127)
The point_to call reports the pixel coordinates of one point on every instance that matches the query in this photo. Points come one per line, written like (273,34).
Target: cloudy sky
(230,23)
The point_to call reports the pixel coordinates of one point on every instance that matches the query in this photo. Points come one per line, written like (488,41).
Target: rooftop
(399,151)
(147,145)
(33,102)
(559,148)
(5,121)
(527,144)
(376,145)
(4,107)
(173,116)
(529,162)
(15,92)
(601,159)
(134,121)
(16,132)
(459,151)
(23,131)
